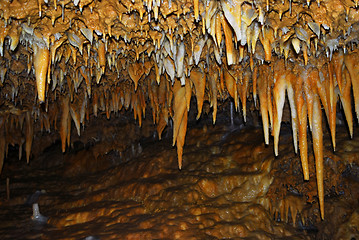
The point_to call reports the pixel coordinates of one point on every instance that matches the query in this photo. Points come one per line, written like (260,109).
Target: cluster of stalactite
(63,60)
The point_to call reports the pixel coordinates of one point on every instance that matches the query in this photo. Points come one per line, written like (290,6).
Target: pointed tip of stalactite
(322,212)
(179,160)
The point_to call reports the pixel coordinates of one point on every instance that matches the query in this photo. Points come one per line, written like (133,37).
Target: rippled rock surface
(231,186)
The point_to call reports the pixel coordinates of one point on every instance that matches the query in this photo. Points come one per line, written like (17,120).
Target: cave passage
(118,181)
(155,119)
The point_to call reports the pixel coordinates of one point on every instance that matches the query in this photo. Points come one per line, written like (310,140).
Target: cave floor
(231,186)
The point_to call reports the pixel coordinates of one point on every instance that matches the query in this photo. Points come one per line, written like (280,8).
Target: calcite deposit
(114,186)
(64,62)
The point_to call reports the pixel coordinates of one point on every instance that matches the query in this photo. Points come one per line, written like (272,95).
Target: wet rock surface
(230,186)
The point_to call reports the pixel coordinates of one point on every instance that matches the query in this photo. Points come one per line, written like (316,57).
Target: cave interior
(179,119)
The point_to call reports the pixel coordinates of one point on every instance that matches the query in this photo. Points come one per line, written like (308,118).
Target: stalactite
(346,100)
(263,99)
(317,134)
(231,87)
(302,124)
(243,88)
(350,61)
(41,63)
(64,122)
(153,52)
(291,81)
(180,117)
(279,98)
(74,113)
(212,80)
(199,80)
(29,136)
